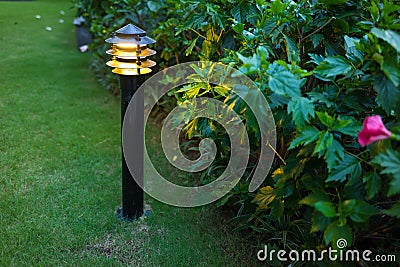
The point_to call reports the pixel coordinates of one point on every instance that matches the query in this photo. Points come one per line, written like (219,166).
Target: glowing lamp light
(129,51)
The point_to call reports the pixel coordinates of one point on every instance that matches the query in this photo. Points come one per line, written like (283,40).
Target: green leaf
(346,207)
(291,170)
(240,11)
(306,136)
(191,46)
(333,66)
(154,6)
(302,109)
(277,100)
(316,59)
(352,52)
(324,142)
(285,187)
(315,197)
(277,208)
(390,163)
(319,222)
(251,64)
(321,98)
(257,101)
(192,90)
(389,8)
(207,48)
(238,28)
(372,183)
(336,231)
(340,124)
(362,211)
(349,166)
(357,210)
(389,36)
(374,10)
(340,26)
(265,196)
(316,39)
(334,154)
(348,127)
(191,128)
(326,119)
(221,90)
(394,211)
(292,50)
(326,208)
(196,21)
(252,61)
(391,70)
(277,7)
(388,94)
(263,53)
(283,82)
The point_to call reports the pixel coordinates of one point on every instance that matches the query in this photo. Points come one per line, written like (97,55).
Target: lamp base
(119,213)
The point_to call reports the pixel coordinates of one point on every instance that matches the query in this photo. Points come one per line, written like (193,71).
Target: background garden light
(129,51)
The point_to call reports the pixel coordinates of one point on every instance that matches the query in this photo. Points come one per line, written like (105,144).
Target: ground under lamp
(129,60)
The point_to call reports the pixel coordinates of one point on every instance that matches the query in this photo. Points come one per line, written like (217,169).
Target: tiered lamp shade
(129,51)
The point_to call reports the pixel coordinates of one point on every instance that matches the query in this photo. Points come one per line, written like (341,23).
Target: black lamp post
(129,51)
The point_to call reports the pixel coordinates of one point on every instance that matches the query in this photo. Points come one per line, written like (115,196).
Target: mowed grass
(60,163)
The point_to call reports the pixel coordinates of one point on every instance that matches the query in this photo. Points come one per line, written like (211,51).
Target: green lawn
(60,163)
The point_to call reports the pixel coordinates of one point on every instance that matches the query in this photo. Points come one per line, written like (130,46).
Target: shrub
(324,66)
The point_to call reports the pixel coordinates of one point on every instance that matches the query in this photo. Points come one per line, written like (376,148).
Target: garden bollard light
(129,51)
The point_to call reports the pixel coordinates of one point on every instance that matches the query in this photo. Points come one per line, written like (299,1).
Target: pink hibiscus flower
(373,130)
